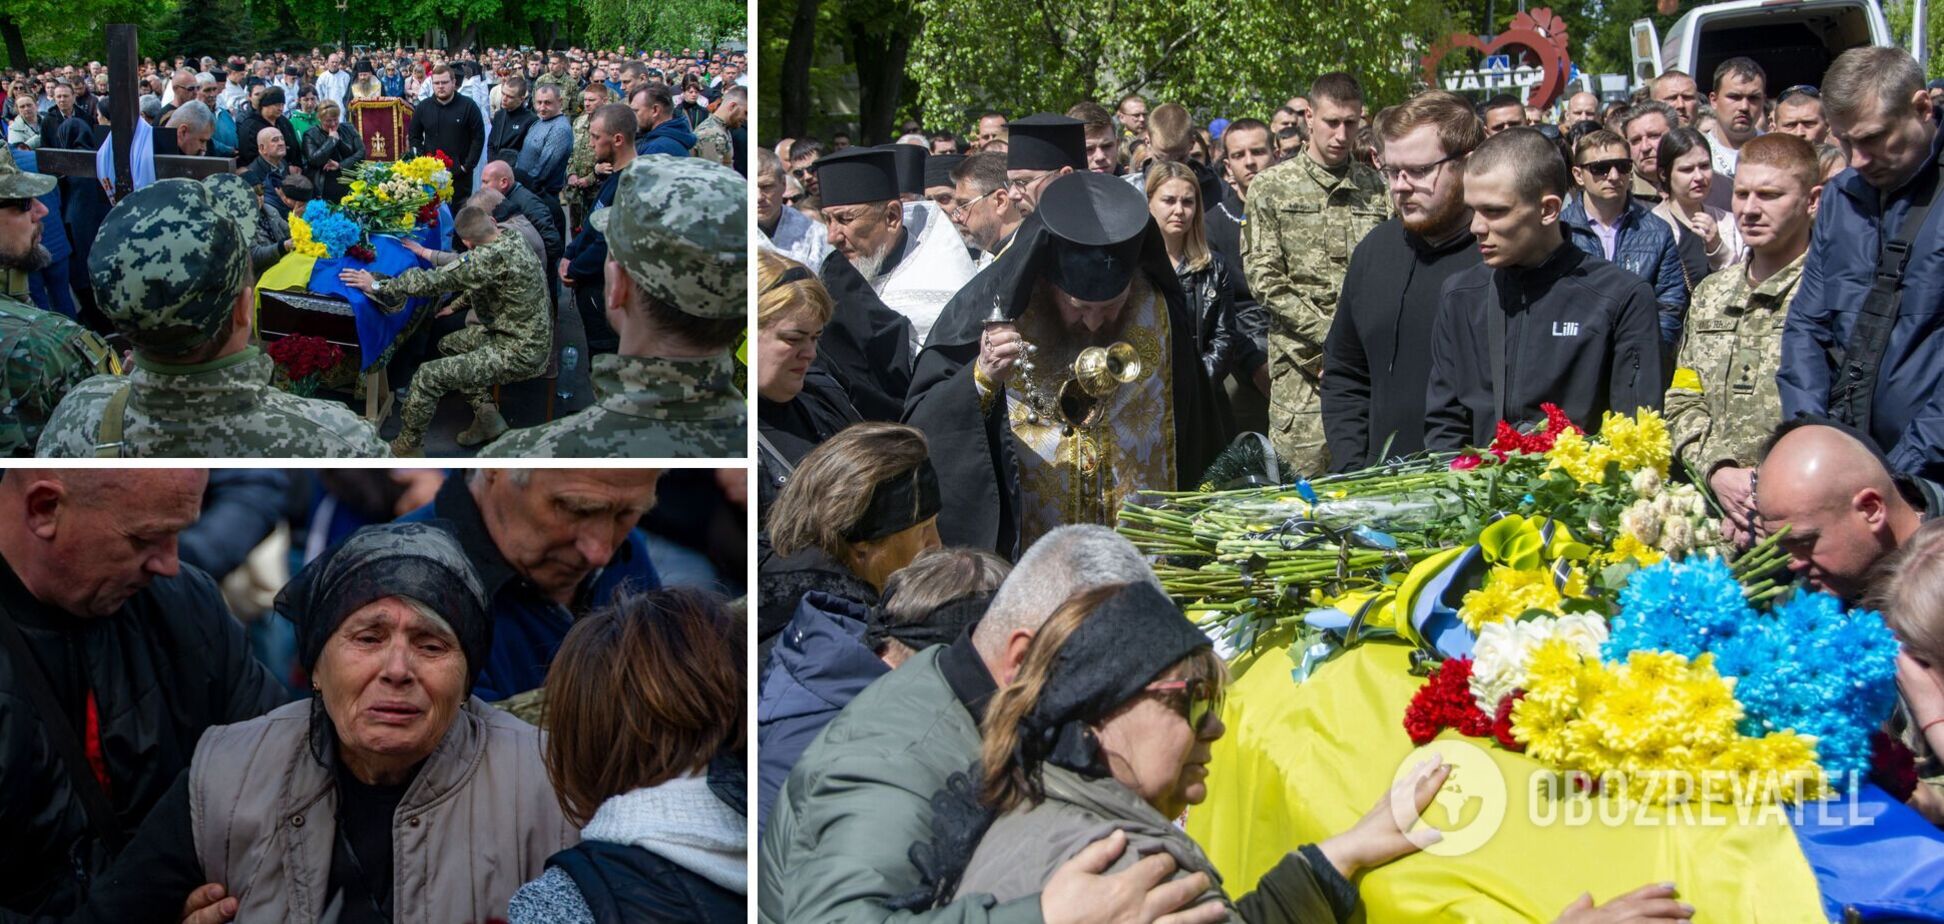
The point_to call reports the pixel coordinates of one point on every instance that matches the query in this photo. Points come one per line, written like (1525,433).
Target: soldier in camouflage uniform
(45,353)
(581,164)
(713,142)
(557,77)
(1306,215)
(1724,403)
(677,231)
(507,289)
(171,270)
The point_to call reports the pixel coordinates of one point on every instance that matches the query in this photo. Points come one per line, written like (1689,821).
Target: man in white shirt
(335,83)
(1738,100)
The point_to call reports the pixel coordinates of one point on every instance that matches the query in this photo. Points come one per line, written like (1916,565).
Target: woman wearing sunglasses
(1108,726)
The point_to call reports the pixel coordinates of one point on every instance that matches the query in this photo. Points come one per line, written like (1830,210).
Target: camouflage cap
(169,261)
(16,183)
(678,225)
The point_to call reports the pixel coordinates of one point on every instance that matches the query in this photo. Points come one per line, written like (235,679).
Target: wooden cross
(123,110)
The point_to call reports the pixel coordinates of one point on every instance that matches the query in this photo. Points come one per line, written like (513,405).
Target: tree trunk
(16,45)
(796,70)
(880,83)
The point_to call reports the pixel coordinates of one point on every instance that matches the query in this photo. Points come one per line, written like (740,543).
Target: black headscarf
(1116,652)
(422,561)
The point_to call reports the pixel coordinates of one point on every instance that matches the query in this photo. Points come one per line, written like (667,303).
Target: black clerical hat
(1095,224)
(938,169)
(857,175)
(911,167)
(1046,142)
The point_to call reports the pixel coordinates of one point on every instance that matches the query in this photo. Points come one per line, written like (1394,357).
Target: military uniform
(649,409)
(1304,220)
(1724,402)
(713,143)
(507,289)
(580,163)
(167,268)
(225,408)
(678,227)
(46,356)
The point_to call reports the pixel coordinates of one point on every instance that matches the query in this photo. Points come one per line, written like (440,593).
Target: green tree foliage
(1899,14)
(1216,57)
(671,24)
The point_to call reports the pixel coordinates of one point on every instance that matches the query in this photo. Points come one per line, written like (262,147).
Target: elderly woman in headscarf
(389,794)
(1107,727)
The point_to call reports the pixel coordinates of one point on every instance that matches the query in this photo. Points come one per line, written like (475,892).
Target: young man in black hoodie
(1540,321)
(1374,369)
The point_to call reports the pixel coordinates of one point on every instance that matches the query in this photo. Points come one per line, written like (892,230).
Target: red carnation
(429,212)
(1466,462)
(441,157)
(1502,721)
(362,252)
(1445,701)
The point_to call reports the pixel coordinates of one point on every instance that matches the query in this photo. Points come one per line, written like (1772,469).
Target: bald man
(1581,107)
(1844,509)
(138,653)
(520,200)
(266,173)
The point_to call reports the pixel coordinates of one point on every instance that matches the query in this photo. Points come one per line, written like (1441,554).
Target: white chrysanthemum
(1646,483)
(1584,631)
(1677,536)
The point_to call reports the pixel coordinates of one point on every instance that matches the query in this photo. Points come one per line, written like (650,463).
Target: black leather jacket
(1211,302)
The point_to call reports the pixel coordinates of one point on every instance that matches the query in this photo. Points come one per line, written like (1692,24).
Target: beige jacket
(480,819)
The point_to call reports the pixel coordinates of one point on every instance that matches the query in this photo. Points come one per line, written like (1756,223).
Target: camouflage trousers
(1296,423)
(468,366)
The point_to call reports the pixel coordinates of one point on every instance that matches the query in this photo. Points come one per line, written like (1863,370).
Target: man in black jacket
(511,121)
(498,174)
(138,654)
(1572,329)
(1374,372)
(448,122)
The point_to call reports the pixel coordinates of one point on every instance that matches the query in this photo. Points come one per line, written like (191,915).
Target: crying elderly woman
(390,794)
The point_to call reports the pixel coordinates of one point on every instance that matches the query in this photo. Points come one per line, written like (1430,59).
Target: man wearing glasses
(986,217)
(1041,147)
(50,353)
(1604,221)
(1374,375)
(182,87)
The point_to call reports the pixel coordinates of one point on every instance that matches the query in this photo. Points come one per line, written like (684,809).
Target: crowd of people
(261,694)
(539,144)
(973,347)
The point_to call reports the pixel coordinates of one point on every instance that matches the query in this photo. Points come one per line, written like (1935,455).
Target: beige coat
(480,819)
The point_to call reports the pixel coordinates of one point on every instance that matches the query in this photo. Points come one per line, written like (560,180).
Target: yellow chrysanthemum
(300,238)
(1582,459)
(1509,593)
(1628,547)
(1638,442)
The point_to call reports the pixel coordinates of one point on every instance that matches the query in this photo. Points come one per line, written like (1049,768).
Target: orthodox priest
(867,346)
(914,267)
(1021,442)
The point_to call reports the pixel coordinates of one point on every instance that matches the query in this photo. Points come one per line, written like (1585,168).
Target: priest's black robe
(978,475)
(866,346)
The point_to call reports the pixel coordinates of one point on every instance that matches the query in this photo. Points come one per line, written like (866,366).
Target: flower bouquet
(306,363)
(323,231)
(1583,511)
(1687,693)
(394,197)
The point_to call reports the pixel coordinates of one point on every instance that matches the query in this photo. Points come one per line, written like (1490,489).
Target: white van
(1793,40)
